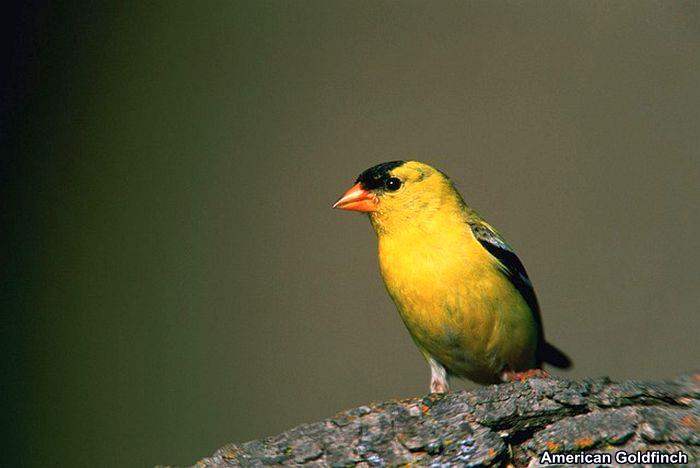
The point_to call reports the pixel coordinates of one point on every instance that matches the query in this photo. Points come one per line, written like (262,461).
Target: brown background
(177,277)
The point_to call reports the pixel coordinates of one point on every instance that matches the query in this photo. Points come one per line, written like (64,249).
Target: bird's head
(399,191)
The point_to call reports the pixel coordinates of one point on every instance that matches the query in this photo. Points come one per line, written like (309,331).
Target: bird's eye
(392,184)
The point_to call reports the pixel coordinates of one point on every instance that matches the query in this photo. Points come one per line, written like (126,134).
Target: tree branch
(500,424)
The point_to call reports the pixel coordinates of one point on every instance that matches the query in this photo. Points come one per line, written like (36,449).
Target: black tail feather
(554,356)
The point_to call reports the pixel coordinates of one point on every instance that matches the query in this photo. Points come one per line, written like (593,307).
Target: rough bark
(496,425)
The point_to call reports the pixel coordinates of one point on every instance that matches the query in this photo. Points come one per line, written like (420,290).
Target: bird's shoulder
(508,262)
(497,246)
(486,234)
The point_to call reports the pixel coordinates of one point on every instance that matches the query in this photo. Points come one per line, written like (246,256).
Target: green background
(176,279)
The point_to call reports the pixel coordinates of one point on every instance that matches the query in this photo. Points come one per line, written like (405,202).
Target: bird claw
(510,376)
(437,386)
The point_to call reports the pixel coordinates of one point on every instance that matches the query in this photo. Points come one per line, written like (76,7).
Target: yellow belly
(459,308)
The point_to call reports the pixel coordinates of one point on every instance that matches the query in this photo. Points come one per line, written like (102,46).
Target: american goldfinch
(459,287)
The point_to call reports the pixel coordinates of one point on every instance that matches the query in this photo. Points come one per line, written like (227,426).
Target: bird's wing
(510,265)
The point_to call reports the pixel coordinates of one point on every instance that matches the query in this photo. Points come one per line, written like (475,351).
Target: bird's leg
(438,377)
(510,376)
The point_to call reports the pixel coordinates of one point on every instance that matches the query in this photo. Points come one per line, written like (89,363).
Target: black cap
(376,176)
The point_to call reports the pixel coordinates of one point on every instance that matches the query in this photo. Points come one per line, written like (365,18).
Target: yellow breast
(455,302)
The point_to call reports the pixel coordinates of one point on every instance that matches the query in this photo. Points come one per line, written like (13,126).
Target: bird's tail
(554,356)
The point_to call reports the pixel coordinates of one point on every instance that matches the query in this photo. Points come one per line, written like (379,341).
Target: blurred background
(174,276)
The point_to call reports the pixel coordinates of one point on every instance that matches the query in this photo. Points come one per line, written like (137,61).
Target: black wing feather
(515,271)
(513,268)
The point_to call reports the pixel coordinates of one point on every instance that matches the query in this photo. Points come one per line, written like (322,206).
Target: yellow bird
(459,287)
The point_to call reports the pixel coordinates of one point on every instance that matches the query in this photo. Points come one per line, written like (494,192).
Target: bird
(459,287)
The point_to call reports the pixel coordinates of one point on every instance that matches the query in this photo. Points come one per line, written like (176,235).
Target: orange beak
(357,199)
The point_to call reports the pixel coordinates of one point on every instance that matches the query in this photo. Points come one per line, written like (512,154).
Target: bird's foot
(510,376)
(439,386)
(438,377)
